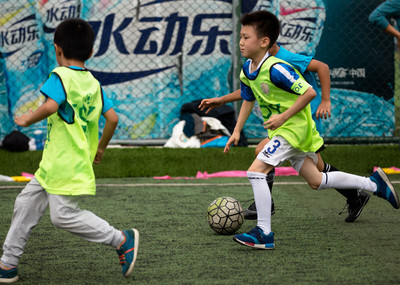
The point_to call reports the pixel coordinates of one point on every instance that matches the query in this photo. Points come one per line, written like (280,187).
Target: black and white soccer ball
(225,215)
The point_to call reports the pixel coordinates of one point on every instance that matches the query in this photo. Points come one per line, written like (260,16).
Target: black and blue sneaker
(385,188)
(8,274)
(256,238)
(356,206)
(127,251)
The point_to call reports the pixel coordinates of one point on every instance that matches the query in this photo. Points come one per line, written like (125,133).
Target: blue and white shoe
(8,274)
(385,188)
(128,251)
(256,238)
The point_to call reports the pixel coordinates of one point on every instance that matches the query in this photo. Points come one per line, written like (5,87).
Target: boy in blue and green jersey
(320,109)
(284,96)
(73,106)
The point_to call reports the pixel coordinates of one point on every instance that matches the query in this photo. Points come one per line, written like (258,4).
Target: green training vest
(66,167)
(299,130)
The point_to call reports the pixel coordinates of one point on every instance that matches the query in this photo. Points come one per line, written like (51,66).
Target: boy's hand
(99,156)
(23,120)
(210,103)
(234,139)
(324,110)
(274,122)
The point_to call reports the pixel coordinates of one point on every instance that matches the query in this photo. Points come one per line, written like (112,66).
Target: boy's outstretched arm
(244,113)
(212,103)
(322,69)
(108,131)
(48,108)
(275,121)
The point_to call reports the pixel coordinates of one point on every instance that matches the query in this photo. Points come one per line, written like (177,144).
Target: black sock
(350,194)
(270,179)
(329,168)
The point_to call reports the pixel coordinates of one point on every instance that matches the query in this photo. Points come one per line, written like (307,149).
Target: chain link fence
(153,56)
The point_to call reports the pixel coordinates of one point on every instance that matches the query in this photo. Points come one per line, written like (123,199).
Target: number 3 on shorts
(273,148)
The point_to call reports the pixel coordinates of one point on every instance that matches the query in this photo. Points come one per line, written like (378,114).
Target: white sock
(5,265)
(262,198)
(343,180)
(120,240)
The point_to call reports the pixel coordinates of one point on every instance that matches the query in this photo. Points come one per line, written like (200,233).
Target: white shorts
(279,150)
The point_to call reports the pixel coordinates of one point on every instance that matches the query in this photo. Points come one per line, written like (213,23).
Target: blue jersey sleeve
(108,104)
(283,76)
(246,92)
(286,78)
(301,63)
(54,89)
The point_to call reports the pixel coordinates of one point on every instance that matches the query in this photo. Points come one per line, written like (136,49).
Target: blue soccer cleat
(128,251)
(385,188)
(8,274)
(256,238)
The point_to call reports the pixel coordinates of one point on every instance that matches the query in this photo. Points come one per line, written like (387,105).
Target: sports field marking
(191,184)
(176,184)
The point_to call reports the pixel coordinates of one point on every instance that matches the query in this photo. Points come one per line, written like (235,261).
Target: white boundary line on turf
(176,184)
(192,184)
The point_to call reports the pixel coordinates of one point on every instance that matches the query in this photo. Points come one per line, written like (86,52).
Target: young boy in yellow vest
(284,96)
(320,108)
(74,103)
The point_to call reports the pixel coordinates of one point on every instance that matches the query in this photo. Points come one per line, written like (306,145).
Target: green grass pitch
(313,243)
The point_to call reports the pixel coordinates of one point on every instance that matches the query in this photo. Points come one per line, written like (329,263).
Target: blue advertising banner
(24,60)
(150,56)
(361,61)
(178,51)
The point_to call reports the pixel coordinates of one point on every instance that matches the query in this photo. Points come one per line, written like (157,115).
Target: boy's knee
(314,183)
(56,220)
(313,186)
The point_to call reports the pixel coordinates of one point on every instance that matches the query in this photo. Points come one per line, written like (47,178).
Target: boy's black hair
(265,23)
(76,38)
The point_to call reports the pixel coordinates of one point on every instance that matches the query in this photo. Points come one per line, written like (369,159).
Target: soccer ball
(225,215)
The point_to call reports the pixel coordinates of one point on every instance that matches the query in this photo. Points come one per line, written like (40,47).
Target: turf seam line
(192,184)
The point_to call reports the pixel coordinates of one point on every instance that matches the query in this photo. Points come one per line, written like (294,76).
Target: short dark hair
(76,38)
(265,24)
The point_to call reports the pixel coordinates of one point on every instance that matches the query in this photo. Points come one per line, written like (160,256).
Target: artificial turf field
(313,243)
